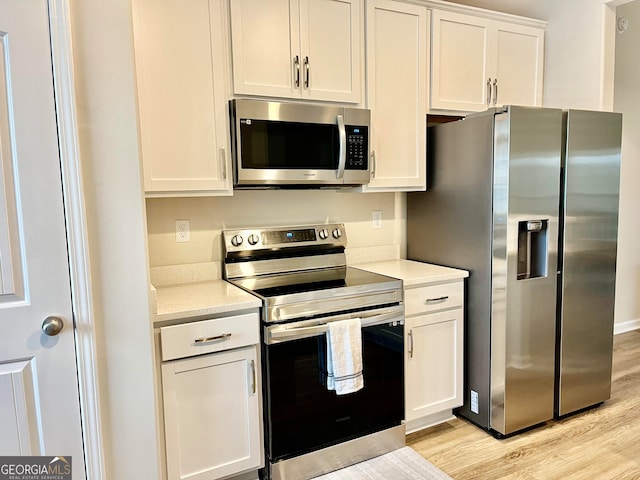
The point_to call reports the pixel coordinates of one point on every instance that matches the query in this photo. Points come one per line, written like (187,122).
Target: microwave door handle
(342,153)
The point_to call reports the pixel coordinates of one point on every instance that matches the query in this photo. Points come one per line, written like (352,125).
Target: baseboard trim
(429,421)
(627,326)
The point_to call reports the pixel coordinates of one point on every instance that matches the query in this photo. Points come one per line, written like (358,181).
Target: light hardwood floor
(599,444)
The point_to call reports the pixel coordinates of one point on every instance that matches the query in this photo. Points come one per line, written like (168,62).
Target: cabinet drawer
(433,298)
(206,336)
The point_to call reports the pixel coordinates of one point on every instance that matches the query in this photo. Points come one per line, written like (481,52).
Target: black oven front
(302,415)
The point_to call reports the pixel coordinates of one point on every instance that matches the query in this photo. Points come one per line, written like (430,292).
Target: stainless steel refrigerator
(526,199)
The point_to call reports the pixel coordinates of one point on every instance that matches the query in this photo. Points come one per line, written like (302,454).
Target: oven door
(302,415)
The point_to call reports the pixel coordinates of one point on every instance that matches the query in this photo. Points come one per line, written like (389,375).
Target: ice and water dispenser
(532,249)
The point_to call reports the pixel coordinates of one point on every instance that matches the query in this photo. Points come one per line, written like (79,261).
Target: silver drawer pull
(429,301)
(211,339)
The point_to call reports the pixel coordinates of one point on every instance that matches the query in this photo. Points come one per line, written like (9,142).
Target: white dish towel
(344,356)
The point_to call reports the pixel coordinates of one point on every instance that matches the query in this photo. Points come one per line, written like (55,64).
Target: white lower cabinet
(212,402)
(433,353)
(433,338)
(434,370)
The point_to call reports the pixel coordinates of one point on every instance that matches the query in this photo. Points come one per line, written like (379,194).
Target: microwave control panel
(357,147)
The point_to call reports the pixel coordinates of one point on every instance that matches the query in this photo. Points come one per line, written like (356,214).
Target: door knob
(52,326)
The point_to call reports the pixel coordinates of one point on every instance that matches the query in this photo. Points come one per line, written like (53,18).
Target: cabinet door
(182,107)
(265,44)
(397,69)
(461,62)
(519,64)
(331,46)
(434,366)
(212,415)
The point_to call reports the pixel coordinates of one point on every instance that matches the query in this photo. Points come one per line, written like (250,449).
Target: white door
(39,401)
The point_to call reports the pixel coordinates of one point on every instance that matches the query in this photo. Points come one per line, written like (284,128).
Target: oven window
(302,415)
(288,145)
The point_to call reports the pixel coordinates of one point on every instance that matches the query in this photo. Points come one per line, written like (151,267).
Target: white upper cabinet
(179,52)
(397,71)
(479,63)
(309,49)
(519,64)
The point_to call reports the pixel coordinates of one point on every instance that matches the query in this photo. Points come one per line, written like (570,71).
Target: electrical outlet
(183,234)
(377,219)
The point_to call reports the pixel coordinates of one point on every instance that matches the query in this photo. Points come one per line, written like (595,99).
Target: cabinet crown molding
(480,12)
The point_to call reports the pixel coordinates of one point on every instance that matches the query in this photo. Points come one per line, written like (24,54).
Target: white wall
(116,220)
(627,101)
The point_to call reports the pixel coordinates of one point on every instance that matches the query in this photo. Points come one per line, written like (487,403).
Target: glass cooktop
(338,280)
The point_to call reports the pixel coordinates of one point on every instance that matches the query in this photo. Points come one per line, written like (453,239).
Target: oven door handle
(291,332)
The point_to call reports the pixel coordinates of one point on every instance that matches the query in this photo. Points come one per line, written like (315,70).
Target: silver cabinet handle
(296,66)
(411,343)
(223,336)
(429,301)
(252,372)
(223,159)
(495,91)
(342,152)
(489,92)
(306,72)
(373,163)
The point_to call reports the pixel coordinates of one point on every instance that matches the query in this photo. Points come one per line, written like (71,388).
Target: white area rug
(402,464)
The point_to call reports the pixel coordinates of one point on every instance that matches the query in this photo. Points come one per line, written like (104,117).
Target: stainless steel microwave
(279,145)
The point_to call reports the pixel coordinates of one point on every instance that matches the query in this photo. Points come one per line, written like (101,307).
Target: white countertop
(190,300)
(414,273)
(212,297)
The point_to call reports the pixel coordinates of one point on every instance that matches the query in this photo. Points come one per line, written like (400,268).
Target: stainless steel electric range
(300,273)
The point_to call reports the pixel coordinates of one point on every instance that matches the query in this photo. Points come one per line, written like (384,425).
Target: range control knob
(324,233)
(337,233)
(237,240)
(253,239)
